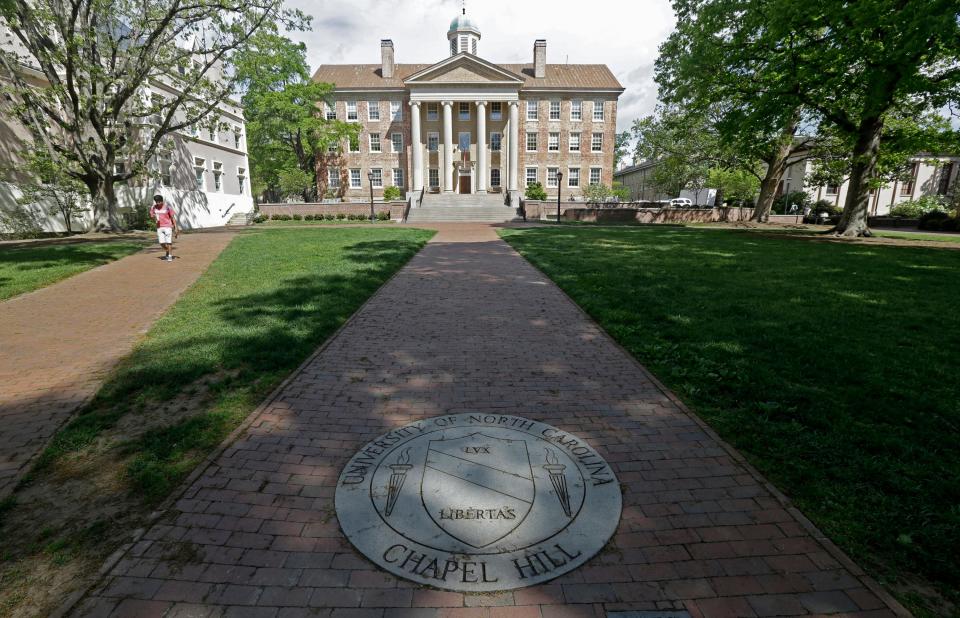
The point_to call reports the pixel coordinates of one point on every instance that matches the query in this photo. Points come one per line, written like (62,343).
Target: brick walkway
(58,343)
(469,325)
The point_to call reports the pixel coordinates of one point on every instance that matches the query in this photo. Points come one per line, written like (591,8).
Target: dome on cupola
(464,35)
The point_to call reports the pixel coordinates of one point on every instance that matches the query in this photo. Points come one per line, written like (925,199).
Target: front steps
(451,207)
(241,218)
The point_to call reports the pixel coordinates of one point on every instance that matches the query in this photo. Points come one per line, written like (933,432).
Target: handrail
(420,201)
(229,208)
(406,208)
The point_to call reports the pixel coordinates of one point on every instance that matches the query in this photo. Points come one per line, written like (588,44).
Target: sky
(623,34)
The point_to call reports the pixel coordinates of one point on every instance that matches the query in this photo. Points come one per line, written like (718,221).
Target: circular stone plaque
(478,502)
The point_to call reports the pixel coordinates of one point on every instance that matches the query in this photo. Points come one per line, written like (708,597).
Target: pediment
(464,69)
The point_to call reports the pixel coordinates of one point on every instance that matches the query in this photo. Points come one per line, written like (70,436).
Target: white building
(203,172)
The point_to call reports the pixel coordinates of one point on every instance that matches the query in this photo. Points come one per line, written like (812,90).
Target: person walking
(167,229)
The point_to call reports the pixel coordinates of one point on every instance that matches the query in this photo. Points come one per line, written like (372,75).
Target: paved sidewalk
(470,326)
(58,343)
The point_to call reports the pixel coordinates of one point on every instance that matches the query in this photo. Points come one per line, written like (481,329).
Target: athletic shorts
(164,235)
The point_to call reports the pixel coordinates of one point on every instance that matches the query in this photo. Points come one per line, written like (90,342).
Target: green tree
(535,191)
(98,57)
(621,148)
(49,184)
(733,185)
(285,128)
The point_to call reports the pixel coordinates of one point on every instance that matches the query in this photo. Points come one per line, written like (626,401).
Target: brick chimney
(540,58)
(386,57)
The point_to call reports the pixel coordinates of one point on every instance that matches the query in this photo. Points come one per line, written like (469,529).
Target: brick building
(465,125)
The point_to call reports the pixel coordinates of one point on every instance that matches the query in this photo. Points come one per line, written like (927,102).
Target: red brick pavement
(58,343)
(469,325)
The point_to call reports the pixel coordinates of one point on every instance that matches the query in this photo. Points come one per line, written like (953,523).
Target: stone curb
(111,561)
(808,525)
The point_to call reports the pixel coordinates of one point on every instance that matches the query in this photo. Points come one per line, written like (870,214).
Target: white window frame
(433,137)
(164,165)
(598,172)
(495,173)
(377,180)
(496,110)
(396,111)
(217,176)
(395,139)
(212,133)
(552,183)
(433,112)
(355,175)
(553,141)
(352,111)
(433,177)
(576,111)
(536,143)
(526,175)
(463,111)
(238,137)
(375,144)
(242,179)
(596,138)
(533,111)
(554,107)
(397,177)
(330,111)
(598,111)
(333,178)
(571,172)
(373,110)
(199,169)
(496,141)
(350,144)
(573,142)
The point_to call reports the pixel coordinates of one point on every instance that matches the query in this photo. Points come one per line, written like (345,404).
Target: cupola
(464,35)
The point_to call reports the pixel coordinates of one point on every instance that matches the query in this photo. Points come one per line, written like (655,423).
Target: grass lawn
(832,366)
(27,268)
(272,223)
(260,309)
(917,236)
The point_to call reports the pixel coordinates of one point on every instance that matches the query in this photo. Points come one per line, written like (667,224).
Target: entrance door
(463,143)
(464,185)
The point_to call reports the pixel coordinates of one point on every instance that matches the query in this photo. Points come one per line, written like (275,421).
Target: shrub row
(383,215)
(938,221)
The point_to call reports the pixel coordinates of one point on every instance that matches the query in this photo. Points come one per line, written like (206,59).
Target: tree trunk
(104,200)
(856,209)
(775,168)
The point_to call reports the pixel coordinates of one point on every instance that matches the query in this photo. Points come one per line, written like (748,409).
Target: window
(354,143)
(496,142)
(434,175)
(596,144)
(495,177)
(242,179)
(156,101)
(373,110)
(377,180)
(396,142)
(576,110)
(396,111)
(237,137)
(553,142)
(398,176)
(433,111)
(473,46)
(333,148)
(352,111)
(531,110)
(464,111)
(199,167)
(908,185)
(574,142)
(573,177)
(354,178)
(433,142)
(554,110)
(333,178)
(375,142)
(598,111)
(595,175)
(194,131)
(834,189)
(212,133)
(552,176)
(531,142)
(531,175)
(946,172)
(163,166)
(463,43)
(496,110)
(330,111)
(217,176)
(453,47)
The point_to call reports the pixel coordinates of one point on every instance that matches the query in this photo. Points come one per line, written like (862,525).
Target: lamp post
(370,178)
(559,185)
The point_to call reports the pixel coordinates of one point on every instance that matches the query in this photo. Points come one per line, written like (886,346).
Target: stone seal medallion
(478,502)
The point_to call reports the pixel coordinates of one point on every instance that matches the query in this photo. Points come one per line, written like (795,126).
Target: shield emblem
(477,488)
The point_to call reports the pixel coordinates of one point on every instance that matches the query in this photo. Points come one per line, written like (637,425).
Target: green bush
(933,220)
(260,218)
(391,193)
(783,204)
(297,217)
(828,207)
(341,216)
(950,225)
(138,218)
(914,209)
(329,216)
(383,215)
(535,191)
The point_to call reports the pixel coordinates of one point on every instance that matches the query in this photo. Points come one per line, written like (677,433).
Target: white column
(481,181)
(448,146)
(416,145)
(514,170)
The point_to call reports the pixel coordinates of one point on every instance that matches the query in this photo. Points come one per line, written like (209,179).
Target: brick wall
(395,209)
(578,211)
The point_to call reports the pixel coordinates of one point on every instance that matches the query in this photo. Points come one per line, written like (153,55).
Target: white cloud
(623,35)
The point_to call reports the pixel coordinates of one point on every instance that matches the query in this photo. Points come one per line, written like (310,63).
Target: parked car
(681,202)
